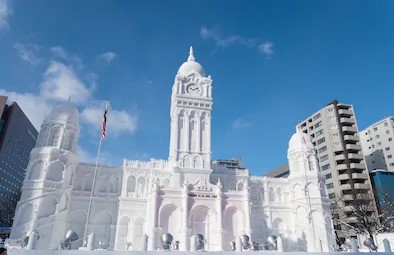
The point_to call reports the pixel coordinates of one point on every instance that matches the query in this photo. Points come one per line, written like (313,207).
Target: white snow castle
(135,204)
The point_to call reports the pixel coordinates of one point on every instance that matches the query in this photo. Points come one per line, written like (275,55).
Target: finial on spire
(191,54)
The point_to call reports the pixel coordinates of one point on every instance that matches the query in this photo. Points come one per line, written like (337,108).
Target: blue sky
(272,63)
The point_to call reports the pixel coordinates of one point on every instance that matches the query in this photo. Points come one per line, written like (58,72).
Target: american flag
(104,124)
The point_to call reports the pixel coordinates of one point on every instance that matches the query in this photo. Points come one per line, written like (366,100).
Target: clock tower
(191,106)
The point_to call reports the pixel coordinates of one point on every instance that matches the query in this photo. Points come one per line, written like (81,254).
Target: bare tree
(7,210)
(358,215)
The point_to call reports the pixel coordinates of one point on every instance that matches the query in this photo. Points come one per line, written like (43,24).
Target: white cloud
(117,121)
(61,82)
(59,52)
(108,56)
(224,42)
(85,156)
(35,107)
(267,48)
(5,12)
(27,52)
(241,123)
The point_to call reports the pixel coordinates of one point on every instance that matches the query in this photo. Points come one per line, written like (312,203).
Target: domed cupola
(301,154)
(300,142)
(191,66)
(61,128)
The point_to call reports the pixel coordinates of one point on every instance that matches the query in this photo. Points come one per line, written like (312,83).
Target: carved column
(152,230)
(208,143)
(219,209)
(174,137)
(184,246)
(187,132)
(112,237)
(248,230)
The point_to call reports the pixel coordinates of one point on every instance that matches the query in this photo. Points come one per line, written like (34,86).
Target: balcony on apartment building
(351,138)
(353,147)
(341,167)
(345,113)
(343,177)
(357,166)
(355,156)
(347,121)
(345,186)
(349,130)
(361,186)
(359,176)
(339,157)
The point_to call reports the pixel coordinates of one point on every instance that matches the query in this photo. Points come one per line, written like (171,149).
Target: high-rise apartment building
(377,141)
(17,139)
(334,133)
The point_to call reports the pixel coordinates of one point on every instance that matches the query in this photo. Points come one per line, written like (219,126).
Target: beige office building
(377,141)
(334,133)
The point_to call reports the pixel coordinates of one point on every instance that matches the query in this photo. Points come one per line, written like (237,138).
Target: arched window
(36,171)
(55,171)
(240,186)
(131,183)
(68,141)
(48,207)
(54,136)
(141,185)
(278,195)
(42,138)
(113,185)
(271,194)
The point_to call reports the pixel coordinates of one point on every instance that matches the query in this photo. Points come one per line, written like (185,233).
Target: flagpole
(94,176)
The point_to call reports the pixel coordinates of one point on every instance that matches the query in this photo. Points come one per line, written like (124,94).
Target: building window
(330,109)
(332,195)
(375,129)
(379,143)
(386,124)
(323,149)
(316,116)
(337,144)
(330,185)
(387,148)
(391,164)
(320,141)
(387,131)
(328,176)
(332,118)
(323,158)
(333,127)
(390,139)
(320,132)
(325,167)
(335,135)
(376,136)
(389,156)
(318,124)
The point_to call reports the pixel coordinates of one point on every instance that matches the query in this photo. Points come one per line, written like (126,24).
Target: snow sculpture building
(185,195)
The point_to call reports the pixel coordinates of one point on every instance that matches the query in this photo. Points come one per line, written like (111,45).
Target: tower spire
(191,54)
